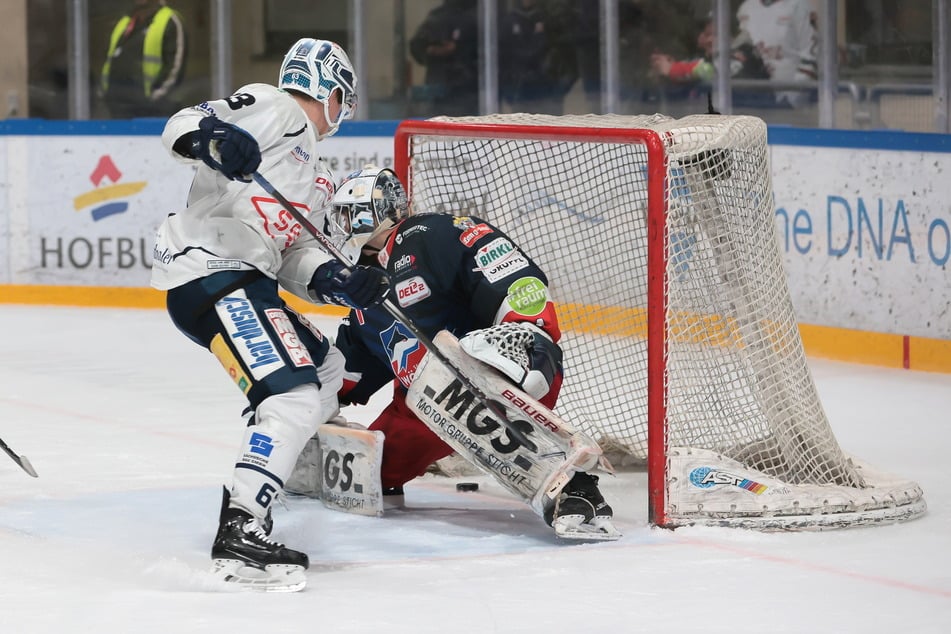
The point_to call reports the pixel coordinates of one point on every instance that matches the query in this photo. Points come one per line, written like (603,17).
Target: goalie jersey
(446,272)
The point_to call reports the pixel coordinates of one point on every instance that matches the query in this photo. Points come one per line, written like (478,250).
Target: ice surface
(133,430)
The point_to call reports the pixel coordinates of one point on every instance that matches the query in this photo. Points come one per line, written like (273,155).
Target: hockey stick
(497,409)
(20,460)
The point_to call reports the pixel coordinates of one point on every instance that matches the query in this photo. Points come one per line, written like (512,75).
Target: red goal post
(682,350)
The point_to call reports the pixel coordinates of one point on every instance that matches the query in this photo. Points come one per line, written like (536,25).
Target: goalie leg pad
(350,456)
(340,466)
(465,423)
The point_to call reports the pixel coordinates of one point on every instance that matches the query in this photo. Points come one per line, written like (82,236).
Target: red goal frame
(657,191)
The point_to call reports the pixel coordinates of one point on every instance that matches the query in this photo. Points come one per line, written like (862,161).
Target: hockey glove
(359,287)
(524,353)
(227,148)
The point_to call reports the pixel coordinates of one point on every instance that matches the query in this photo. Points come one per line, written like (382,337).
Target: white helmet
(317,68)
(367,203)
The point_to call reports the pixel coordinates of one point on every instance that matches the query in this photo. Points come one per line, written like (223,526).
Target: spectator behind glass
(145,62)
(745,62)
(646,27)
(446,43)
(537,65)
(784,34)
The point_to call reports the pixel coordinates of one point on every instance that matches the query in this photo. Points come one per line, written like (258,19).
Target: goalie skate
(580,512)
(575,527)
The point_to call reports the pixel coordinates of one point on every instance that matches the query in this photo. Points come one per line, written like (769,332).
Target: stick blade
(24,462)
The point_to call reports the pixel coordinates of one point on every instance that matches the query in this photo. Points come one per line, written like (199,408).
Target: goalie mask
(367,203)
(318,68)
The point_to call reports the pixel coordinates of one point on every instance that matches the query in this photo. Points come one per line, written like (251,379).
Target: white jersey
(783,33)
(230,225)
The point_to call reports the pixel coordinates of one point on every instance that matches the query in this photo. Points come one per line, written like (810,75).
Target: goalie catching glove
(521,351)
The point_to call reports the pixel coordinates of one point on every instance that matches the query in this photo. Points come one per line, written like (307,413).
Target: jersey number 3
(240,100)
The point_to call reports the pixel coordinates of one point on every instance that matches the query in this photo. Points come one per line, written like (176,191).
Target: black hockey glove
(227,148)
(360,287)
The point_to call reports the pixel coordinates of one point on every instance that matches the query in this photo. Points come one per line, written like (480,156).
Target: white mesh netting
(736,383)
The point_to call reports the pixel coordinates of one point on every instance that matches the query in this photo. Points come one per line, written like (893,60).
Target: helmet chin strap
(333,126)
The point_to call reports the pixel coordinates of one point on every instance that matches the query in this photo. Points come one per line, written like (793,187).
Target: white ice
(133,430)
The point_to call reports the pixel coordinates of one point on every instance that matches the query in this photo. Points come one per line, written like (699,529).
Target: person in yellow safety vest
(145,62)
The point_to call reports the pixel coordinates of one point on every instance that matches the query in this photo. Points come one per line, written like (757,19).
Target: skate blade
(274,577)
(573,527)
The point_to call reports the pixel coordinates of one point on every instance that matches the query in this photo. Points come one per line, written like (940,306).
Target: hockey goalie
(466,284)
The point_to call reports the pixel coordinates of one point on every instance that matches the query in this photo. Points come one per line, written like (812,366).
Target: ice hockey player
(221,260)
(457,274)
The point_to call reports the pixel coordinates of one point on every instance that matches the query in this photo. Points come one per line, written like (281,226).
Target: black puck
(467,486)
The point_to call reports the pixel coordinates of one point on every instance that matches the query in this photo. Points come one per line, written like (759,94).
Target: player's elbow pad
(521,351)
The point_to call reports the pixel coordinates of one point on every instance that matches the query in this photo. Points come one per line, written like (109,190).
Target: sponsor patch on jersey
(230,363)
(223,265)
(288,337)
(404,263)
(527,296)
(251,340)
(278,223)
(472,235)
(324,185)
(306,323)
(414,229)
(301,154)
(404,350)
(499,259)
(412,291)
(162,256)
(206,109)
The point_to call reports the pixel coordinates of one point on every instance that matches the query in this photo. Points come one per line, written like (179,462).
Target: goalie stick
(494,407)
(20,460)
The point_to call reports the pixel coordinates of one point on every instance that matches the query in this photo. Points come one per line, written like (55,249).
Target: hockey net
(682,350)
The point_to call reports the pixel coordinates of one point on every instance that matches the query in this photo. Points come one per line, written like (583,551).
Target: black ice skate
(580,511)
(244,554)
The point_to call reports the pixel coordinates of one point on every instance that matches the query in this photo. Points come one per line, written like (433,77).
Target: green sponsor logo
(527,296)
(496,250)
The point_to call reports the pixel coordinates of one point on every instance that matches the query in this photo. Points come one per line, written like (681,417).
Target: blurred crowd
(425,58)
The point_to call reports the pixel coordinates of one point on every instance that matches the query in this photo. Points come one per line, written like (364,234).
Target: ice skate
(244,554)
(580,512)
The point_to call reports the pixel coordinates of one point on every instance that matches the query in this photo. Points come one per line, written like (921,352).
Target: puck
(467,486)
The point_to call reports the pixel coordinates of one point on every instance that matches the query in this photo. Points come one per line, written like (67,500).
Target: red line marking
(884,581)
